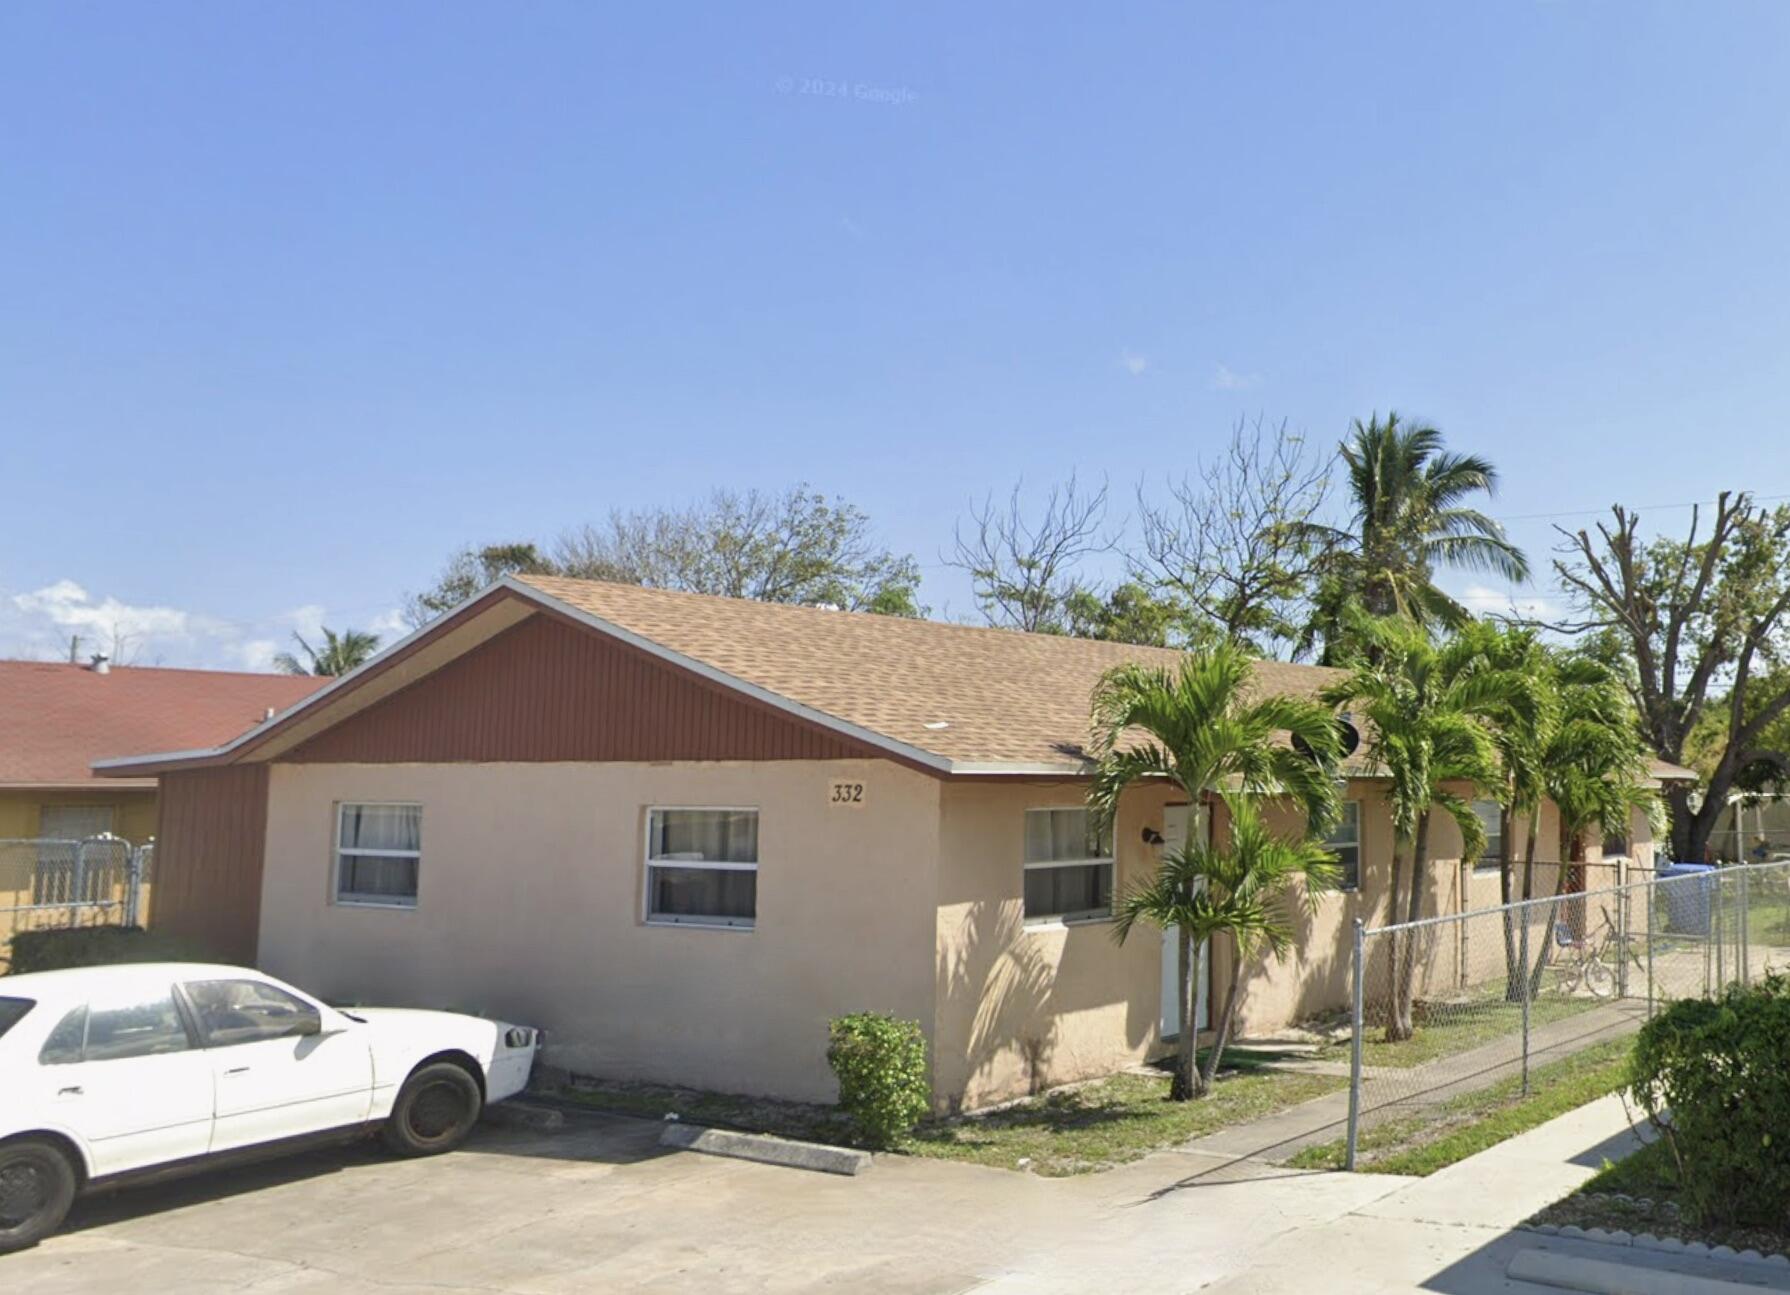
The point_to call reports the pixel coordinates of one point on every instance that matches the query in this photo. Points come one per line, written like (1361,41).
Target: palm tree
(1593,766)
(1430,708)
(1521,735)
(1241,890)
(1195,728)
(339,654)
(1409,518)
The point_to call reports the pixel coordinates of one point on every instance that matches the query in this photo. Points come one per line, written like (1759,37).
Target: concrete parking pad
(599,1205)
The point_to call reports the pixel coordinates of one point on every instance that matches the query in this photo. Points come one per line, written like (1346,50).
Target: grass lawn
(1447,1028)
(1439,1136)
(1639,1194)
(1076,1130)
(1099,1125)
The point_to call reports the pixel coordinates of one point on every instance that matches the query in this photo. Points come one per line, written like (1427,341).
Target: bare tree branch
(1238,541)
(1024,569)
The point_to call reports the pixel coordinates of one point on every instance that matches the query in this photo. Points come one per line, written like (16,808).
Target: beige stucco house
(681,833)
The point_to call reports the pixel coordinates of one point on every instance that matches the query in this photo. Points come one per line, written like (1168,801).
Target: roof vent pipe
(101,663)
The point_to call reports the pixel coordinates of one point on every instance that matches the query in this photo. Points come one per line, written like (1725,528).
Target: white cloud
(1484,600)
(1133,363)
(40,624)
(1226,379)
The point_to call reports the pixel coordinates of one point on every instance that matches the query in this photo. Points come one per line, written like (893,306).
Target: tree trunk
(1405,991)
(1572,850)
(1513,958)
(1232,994)
(1188,1083)
(1395,945)
(1529,853)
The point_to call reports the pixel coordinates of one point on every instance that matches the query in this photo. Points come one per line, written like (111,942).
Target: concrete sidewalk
(1279,1136)
(1457,1230)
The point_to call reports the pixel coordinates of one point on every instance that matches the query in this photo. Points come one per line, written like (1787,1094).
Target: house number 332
(846,793)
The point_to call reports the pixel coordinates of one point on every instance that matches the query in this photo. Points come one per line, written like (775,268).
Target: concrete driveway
(599,1207)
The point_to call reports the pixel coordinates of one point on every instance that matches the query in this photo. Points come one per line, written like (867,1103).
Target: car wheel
(37,1185)
(435,1110)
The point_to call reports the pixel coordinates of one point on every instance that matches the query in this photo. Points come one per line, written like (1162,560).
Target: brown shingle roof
(1004,697)
(55,720)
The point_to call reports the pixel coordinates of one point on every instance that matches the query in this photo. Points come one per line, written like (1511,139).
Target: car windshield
(12,1011)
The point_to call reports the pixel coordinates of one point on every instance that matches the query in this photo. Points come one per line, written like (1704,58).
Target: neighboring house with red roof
(681,832)
(56,720)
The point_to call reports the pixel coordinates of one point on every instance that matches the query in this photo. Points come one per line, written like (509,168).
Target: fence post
(1622,945)
(1718,931)
(133,880)
(1746,935)
(1355,1048)
(1652,922)
(1526,992)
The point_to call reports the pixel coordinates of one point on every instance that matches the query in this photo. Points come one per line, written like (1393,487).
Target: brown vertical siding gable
(548,690)
(211,837)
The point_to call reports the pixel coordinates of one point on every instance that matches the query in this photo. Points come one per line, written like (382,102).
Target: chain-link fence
(47,883)
(1514,997)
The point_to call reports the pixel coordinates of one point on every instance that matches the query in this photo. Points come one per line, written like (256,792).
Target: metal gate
(48,883)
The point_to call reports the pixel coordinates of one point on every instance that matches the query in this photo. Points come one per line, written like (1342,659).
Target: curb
(1613,1277)
(765,1150)
(1778,1264)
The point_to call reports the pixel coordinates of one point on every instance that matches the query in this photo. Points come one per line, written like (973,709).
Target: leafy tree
(1408,517)
(1430,708)
(1700,629)
(338,654)
(792,547)
(1198,727)
(1130,613)
(473,569)
(1238,545)
(1242,889)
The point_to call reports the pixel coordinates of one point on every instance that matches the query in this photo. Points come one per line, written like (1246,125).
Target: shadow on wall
(1010,986)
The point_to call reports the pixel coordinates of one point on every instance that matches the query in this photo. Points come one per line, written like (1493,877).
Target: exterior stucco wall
(1024,1007)
(530,907)
(1315,978)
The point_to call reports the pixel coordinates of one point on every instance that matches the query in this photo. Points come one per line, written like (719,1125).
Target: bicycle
(1591,965)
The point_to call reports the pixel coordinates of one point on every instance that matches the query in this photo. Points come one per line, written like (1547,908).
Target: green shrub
(1714,1078)
(92,946)
(880,1062)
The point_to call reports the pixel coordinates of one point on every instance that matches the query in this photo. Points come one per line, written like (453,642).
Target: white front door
(1176,820)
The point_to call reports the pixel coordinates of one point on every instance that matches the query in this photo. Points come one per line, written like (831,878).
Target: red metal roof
(55,720)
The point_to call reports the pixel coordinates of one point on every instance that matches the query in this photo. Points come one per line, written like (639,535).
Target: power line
(1645,508)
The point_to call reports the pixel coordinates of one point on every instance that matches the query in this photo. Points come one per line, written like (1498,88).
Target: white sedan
(108,1074)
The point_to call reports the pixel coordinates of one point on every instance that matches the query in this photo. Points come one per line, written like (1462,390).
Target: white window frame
(1067,919)
(398,903)
(650,918)
(1487,862)
(1331,843)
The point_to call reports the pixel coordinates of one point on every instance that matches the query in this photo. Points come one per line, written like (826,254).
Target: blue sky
(301,297)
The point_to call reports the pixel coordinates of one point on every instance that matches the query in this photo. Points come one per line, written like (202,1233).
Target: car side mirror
(309,1024)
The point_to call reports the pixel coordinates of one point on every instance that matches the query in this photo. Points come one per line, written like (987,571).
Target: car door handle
(237,1070)
(73,1090)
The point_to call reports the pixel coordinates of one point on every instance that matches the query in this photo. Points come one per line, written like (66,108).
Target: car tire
(435,1110)
(37,1185)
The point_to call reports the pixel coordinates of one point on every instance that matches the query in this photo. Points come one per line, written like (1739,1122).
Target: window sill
(375,905)
(696,925)
(1066,923)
